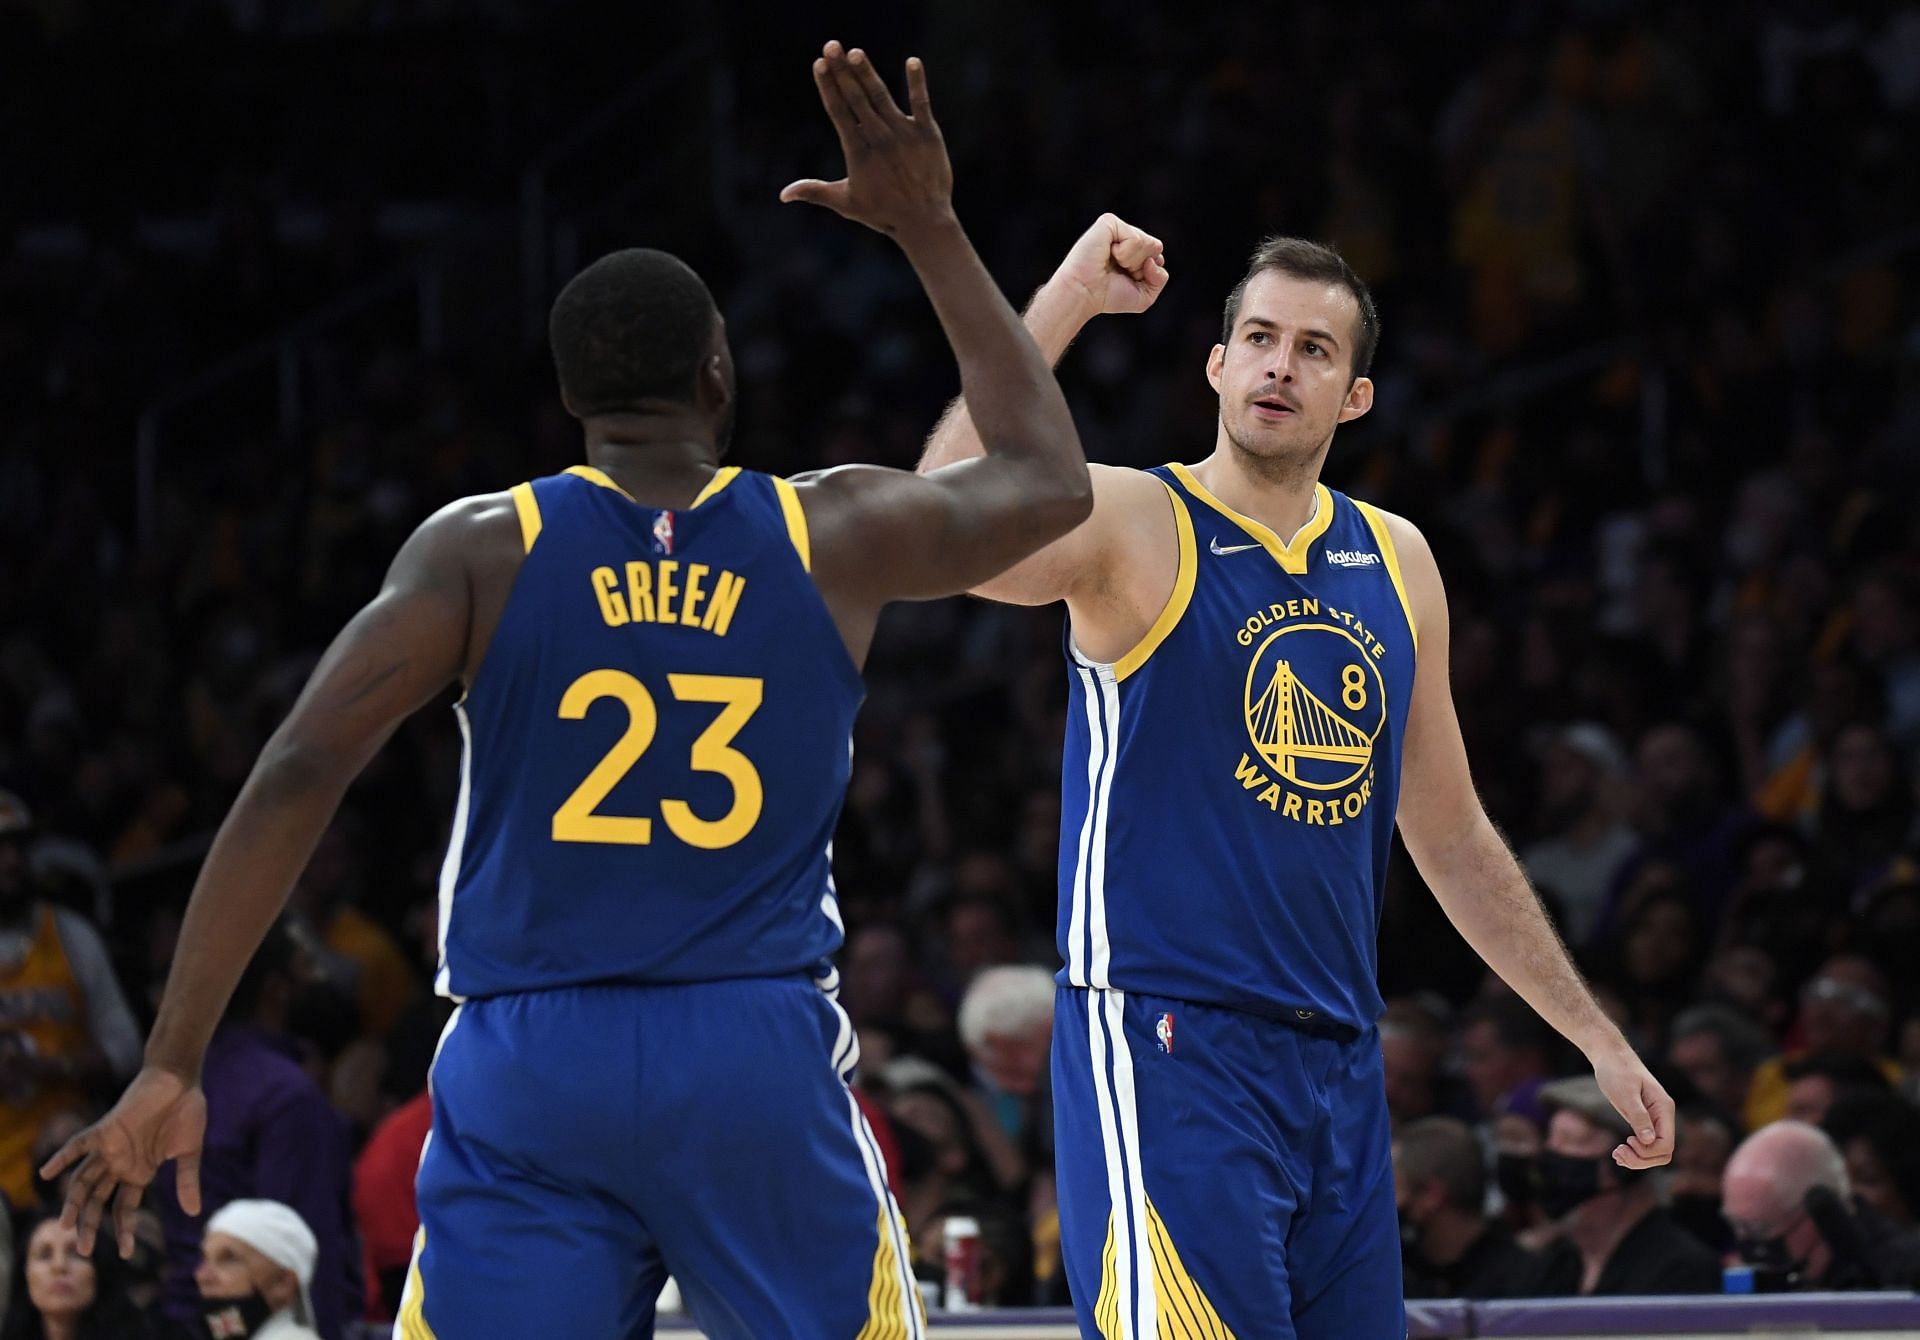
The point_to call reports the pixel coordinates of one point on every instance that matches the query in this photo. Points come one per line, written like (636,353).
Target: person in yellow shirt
(65,1029)
(1844,1011)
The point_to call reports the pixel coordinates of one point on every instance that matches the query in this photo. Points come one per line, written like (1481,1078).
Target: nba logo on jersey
(1163,1030)
(663,532)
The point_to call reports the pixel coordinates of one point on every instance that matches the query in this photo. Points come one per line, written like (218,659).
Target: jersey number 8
(577,821)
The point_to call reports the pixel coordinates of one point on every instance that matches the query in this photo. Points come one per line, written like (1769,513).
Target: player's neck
(1283,496)
(664,458)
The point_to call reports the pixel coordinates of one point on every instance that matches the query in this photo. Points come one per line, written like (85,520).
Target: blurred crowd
(1650,383)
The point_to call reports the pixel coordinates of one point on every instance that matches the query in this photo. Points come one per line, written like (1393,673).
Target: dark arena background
(274,279)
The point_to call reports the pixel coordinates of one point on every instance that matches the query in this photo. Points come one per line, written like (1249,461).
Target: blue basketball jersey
(657,745)
(1229,785)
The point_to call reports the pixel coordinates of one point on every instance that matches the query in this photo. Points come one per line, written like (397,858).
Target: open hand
(1637,1096)
(160,1117)
(1114,267)
(898,175)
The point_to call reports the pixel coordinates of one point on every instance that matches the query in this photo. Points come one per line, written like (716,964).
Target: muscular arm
(1479,883)
(409,644)
(883,535)
(1114,267)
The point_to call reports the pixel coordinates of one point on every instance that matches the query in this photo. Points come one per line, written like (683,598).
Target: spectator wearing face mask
(1795,1219)
(1844,1011)
(256,1270)
(1451,1248)
(1617,1237)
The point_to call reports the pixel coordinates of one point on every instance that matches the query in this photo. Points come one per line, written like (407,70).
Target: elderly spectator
(1585,841)
(1621,1240)
(1452,1249)
(1844,1011)
(1718,1048)
(270,1135)
(65,1029)
(1793,1215)
(1503,1045)
(1006,1025)
(69,1296)
(1880,1137)
(256,1268)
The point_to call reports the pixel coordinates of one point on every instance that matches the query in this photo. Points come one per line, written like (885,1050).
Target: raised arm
(1481,886)
(409,644)
(883,535)
(1113,267)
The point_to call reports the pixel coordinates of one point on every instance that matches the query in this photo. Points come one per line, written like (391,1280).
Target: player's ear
(1359,399)
(1216,363)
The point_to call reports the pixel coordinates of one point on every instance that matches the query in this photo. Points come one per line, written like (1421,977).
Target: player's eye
(1313,347)
(1259,337)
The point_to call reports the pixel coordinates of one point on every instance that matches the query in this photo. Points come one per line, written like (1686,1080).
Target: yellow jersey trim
(1378,525)
(1182,1306)
(1291,557)
(722,477)
(528,507)
(1177,601)
(413,1306)
(886,1304)
(600,477)
(796,521)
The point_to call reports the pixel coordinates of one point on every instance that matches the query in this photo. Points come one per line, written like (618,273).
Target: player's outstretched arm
(406,646)
(1113,267)
(1480,884)
(880,536)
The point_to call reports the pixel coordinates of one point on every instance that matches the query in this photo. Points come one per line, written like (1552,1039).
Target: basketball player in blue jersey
(661,660)
(1258,680)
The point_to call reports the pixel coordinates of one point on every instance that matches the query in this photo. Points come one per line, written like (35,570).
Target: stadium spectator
(1879,1135)
(940,1158)
(1584,841)
(1006,1025)
(68,1296)
(65,1029)
(1503,1045)
(1618,1239)
(1700,1151)
(1844,1011)
(1815,1083)
(256,1268)
(1452,1249)
(1866,816)
(383,1202)
(271,1135)
(1788,1200)
(1411,1061)
(1718,1048)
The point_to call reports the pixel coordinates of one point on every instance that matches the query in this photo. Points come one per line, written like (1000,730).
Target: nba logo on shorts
(1163,1030)
(663,532)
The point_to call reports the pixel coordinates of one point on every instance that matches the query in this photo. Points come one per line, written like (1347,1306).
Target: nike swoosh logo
(1223,551)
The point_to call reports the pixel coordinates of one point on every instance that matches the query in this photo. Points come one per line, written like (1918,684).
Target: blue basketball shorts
(1221,1175)
(589,1142)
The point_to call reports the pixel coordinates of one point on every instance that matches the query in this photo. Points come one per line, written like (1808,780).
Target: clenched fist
(1113,267)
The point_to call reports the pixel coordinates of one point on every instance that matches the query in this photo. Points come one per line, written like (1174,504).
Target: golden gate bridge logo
(1313,742)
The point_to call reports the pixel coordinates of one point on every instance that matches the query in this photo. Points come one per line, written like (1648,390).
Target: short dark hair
(1444,1149)
(633,326)
(1305,259)
(1744,1043)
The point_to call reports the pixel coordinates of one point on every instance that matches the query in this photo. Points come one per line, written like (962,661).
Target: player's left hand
(1637,1096)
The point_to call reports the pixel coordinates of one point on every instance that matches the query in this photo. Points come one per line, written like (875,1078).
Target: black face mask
(236,1318)
(1774,1266)
(1519,1178)
(1567,1183)
(1700,1216)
